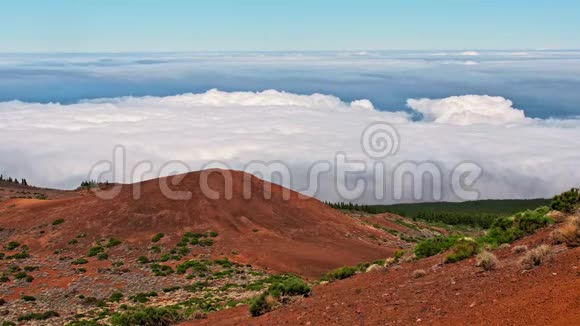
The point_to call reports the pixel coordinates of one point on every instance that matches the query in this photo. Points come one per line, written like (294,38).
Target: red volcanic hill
(298,235)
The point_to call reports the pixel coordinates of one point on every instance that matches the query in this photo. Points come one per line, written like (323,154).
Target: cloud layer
(544,83)
(55,145)
(468,109)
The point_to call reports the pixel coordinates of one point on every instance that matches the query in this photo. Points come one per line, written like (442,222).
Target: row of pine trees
(14,180)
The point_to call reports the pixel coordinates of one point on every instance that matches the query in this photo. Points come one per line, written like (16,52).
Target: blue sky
(260,25)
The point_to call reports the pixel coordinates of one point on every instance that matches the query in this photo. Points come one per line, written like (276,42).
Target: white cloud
(469,53)
(55,145)
(519,54)
(468,109)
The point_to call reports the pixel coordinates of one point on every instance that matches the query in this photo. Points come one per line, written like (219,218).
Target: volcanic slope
(447,294)
(298,235)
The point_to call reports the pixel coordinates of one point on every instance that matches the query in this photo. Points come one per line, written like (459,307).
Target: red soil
(299,235)
(450,294)
(14,191)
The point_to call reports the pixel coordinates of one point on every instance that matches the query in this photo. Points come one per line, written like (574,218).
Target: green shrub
(11,245)
(73,242)
(213,234)
(261,305)
(224,273)
(4,279)
(197,266)
(176,257)
(93,301)
(502,231)
(113,243)
(462,249)
(80,261)
(20,255)
(340,273)
(38,316)
(143,297)
(157,237)
(195,287)
(103,256)
(57,222)
(567,202)
(143,260)
(206,243)
(434,246)
(93,251)
(116,297)
(183,250)
(171,289)
(14,268)
(148,316)
(28,298)
(509,229)
(292,286)
(225,263)
(530,221)
(161,270)
(399,253)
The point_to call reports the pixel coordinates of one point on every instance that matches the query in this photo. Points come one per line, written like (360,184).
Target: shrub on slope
(567,202)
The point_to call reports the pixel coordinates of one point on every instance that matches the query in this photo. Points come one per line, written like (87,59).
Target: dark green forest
(480,213)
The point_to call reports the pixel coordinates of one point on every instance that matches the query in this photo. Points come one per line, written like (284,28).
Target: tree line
(482,219)
(14,180)
(356,207)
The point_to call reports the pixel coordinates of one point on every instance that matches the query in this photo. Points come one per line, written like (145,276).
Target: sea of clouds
(56,145)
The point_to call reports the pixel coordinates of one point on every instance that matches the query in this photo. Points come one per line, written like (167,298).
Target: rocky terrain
(446,294)
(71,258)
(74,257)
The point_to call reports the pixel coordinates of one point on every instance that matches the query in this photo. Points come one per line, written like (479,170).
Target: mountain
(300,235)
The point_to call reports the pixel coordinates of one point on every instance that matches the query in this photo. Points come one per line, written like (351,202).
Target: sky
(274,25)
